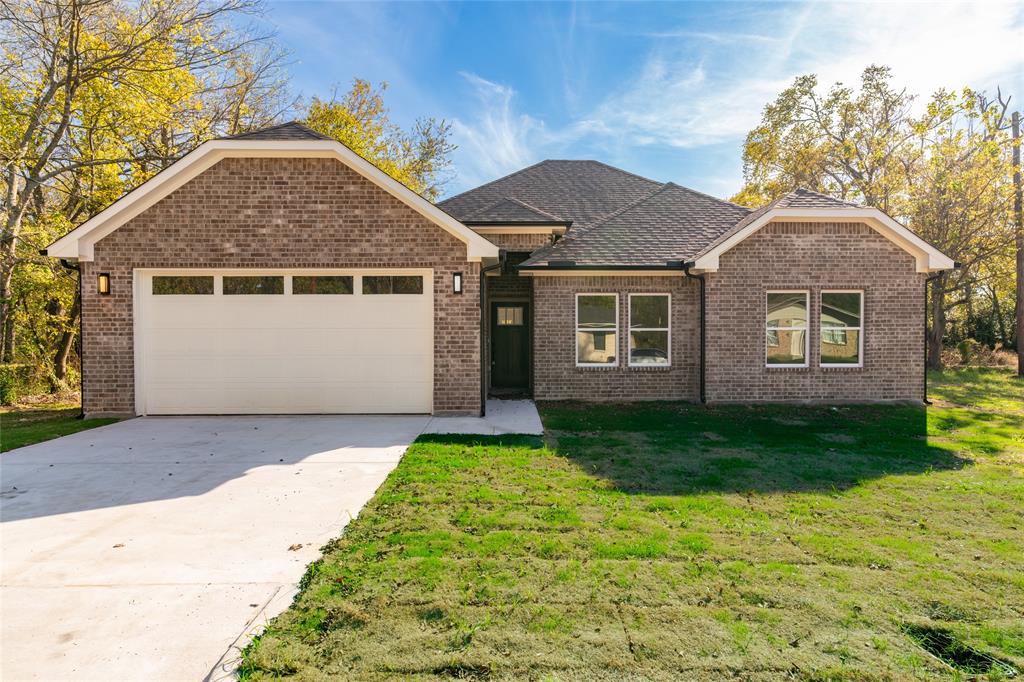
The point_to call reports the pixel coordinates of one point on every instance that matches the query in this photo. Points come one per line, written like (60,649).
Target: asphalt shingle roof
(293,130)
(580,191)
(509,210)
(671,223)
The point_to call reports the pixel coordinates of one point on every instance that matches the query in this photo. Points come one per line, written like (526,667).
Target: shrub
(18,381)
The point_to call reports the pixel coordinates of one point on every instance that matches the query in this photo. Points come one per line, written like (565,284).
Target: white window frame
(806,328)
(576,330)
(630,329)
(859,330)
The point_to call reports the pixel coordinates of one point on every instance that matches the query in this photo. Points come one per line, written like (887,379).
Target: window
(392,284)
(649,330)
(510,316)
(182,286)
(842,314)
(320,284)
(786,332)
(248,285)
(597,329)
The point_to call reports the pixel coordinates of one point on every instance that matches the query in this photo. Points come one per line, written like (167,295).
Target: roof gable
(79,243)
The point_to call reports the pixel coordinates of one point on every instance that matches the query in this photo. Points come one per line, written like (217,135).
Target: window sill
(841,368)
(783,368)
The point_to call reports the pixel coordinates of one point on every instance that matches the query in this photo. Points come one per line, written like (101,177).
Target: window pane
(786,347)
(319,284)
(182,286)
(840,309)
(842,348)
(271,284)
(596,311)
(648,348)
(787,310)
(596,347)
(392,284)
(510,316)
(648,311)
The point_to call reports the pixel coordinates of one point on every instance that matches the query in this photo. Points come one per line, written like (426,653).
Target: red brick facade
(555,374)
(278,213)
(815,256)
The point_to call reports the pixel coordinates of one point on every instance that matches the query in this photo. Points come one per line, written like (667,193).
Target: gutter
(703,327)
(483,326)
(670,265)
(81,332)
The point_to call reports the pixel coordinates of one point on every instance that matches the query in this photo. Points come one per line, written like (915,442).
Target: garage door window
(392,284)
(234,286)
(334,284)
(182,286)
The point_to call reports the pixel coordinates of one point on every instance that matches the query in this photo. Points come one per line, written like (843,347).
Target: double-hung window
(597,330)
(786,329)
(649,336)
(842,339)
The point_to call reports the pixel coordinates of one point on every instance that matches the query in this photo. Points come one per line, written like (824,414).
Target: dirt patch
(837,438)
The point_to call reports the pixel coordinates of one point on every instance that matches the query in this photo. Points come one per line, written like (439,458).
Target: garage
(283,342)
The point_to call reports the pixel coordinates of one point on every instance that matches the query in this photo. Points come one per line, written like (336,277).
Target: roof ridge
(534,208)
(616,168)
(514,200)
(575,234)
(293,123)
(713,198)
(496,180)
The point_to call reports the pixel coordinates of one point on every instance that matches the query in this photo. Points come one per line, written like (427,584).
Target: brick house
(279,272)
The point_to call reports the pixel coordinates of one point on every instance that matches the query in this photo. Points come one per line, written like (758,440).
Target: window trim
(806,329)
(630,329)
(859,330)
(576,330)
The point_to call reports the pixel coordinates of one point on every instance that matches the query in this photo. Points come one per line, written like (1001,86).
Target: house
(279,272)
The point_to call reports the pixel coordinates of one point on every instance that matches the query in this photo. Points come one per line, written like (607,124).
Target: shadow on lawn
(677,448)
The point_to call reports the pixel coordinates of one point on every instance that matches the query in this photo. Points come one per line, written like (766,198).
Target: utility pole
(1018,215)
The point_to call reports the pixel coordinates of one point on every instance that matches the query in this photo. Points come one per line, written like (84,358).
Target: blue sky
(666,90)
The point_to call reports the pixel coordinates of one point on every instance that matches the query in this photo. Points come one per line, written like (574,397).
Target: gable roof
(288,140)
(511,211)
(669,224)
(578,191)
(292,130)
(805,205)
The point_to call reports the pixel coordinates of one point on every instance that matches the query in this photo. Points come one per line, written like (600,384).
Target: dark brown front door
(510,346)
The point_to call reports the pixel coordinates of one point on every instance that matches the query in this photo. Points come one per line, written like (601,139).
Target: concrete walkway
(153,548)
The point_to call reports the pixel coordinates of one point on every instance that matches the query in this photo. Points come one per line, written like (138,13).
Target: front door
(510,347)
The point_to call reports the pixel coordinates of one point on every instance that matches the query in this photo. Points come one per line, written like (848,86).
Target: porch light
(103,284)
(457,282)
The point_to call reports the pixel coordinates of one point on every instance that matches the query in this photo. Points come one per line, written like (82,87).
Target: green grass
(670,541)
(21,426)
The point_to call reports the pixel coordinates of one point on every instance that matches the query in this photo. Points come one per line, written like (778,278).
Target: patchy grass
(671,541)
(983,388)
(27,425)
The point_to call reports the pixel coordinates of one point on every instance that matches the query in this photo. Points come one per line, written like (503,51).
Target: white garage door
(273,342)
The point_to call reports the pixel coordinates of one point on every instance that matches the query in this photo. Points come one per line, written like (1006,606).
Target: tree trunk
(1018,213)
(66,343)
(937,324)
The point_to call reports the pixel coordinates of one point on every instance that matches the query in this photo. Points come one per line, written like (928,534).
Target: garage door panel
(283,353)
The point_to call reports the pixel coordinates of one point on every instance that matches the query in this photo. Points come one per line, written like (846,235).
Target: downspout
(81,334)
(703,333)
(483,327)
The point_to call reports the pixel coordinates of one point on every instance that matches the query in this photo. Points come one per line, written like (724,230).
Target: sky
(664,90)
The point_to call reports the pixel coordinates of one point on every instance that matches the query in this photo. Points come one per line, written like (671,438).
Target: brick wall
(279,213)
(556,376)
(815,256)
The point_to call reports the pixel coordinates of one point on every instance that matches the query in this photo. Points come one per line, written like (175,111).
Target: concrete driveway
(148,548)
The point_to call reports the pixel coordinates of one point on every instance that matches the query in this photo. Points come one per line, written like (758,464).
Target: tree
(943,172)
(96,96)
(418,158)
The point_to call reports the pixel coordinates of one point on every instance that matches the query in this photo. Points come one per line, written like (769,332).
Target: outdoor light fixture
(457,282)
(103,284)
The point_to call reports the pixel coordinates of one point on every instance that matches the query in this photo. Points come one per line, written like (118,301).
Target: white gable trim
(928,258)
(519,229)
(79,243)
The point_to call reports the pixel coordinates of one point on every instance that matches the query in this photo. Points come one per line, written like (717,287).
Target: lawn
(671,541)
(27,425)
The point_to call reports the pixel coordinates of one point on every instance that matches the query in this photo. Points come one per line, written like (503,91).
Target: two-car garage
(279,342)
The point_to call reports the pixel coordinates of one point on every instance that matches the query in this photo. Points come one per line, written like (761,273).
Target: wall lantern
(103,283)
(457,282)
